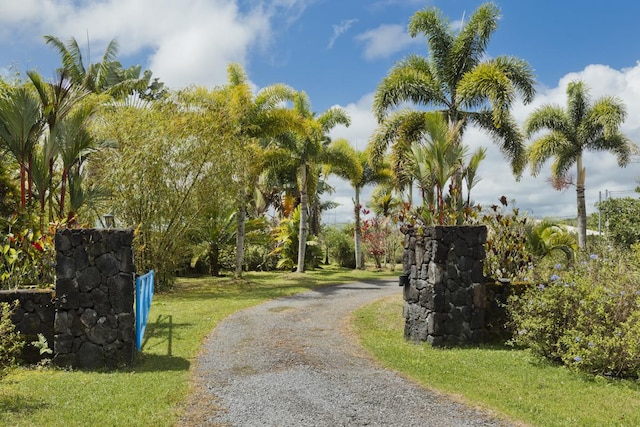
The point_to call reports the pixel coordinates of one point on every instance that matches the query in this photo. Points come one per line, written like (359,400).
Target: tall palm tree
(259,117)
(460,80)
(359,178)
(305,149)
(21,126)
(582,126)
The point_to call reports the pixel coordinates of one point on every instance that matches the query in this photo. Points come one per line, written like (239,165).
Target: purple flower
(577,359)
(591,344)
(541,286)
(554,277)
(593,256)
(558,266)
(578,339)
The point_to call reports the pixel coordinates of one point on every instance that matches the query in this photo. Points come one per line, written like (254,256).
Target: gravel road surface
(291,362)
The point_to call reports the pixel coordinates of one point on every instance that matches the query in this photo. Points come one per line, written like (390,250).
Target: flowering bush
(27,257)
(374,232)
(586,316)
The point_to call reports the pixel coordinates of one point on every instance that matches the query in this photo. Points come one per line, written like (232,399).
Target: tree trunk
(304,227)
(357,234)
(241,220)
(63,190)
(23,173)
(214,256)
(582,209)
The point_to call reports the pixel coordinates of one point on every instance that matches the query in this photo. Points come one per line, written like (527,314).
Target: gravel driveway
(291,362)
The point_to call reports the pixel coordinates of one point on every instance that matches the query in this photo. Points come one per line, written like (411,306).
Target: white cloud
(339,30)
(385,40)
(187,42)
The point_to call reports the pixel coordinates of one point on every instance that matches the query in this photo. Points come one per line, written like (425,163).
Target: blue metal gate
(144,295)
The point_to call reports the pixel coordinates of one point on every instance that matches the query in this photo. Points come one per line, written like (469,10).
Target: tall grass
(152,392)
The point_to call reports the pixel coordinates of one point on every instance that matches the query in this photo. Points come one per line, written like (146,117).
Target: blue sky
(338,51)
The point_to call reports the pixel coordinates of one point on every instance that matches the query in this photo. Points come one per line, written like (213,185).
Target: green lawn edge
(508,382)
(154,390)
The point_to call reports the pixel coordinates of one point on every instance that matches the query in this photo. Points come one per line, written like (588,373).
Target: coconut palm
(460,80)
(582,126)
(361,177)
(304,149)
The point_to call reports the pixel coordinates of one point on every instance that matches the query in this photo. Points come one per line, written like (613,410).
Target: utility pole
(599,213)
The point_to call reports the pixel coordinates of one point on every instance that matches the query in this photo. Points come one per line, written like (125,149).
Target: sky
(338,51)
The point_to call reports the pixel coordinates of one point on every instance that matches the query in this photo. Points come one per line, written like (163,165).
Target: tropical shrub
(621,219)
(339,243)
(287,235)
(548,240)
(9,194)
(586,316)
(507,253)
(27,257)
(11,342)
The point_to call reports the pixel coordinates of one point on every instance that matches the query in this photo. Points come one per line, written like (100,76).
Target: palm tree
(460,79)
(432,161)
(383,201)
(545,238)
(68,139)
(360,177)
(470,172)
(259,117)
(108,75)
(305,149)
(21,126)
(433,166)
(582,126)
(74,143)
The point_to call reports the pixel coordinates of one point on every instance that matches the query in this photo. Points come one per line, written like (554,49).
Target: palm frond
(411,80)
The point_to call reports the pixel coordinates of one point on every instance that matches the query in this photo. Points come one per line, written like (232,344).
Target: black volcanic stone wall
(33,316)
(444,295)
(95,284)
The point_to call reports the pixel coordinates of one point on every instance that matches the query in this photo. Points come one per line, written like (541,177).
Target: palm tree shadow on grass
(18,403)
(161,333)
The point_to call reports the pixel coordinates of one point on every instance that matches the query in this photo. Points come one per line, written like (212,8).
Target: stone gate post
(444,295)
(94,324)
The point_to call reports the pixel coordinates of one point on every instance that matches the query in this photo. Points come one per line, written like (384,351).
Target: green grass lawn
(504,380)
(152,391)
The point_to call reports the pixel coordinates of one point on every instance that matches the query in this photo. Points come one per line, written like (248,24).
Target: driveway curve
(291,362)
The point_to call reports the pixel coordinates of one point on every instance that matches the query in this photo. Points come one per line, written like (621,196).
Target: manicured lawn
(504,380)
(152,392)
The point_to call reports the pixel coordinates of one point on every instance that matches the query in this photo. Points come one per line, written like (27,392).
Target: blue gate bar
(144,295)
